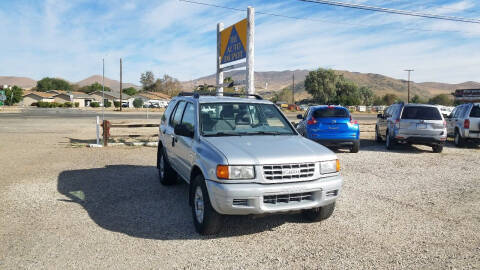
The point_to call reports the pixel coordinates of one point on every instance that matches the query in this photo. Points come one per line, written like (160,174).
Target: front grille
(288,198)
(281,171)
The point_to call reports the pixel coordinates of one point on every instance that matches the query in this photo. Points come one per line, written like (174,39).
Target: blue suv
(330,126)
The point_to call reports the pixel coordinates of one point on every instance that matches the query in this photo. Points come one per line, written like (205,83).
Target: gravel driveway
(74,207)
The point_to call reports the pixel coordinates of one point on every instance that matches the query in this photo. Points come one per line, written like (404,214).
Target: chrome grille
(288,198)
(280,172)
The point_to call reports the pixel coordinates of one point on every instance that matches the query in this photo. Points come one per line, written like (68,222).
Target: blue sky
(68,39)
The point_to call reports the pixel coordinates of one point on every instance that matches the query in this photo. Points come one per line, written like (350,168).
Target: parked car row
(241,156)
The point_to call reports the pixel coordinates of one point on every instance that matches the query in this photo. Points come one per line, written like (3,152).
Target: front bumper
(256,198)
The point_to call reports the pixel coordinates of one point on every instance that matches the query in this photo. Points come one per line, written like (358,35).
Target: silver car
(411,124)
(464,123)
(241,156)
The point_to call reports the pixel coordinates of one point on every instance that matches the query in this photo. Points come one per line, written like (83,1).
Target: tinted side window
(177,115)
(189,117)
(168,111)
(475,112)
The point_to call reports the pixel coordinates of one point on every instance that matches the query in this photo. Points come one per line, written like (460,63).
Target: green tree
(131,91)
(13,95)
(417,99)
(138,103)
(377,101)
(321,84)
(347,93)
(94,87)
(442,99)
(367,96)
(389,99)
(283,95)
(47,83)
(147,79)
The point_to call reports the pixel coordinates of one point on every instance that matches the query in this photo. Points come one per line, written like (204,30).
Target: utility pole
(408,83)
(121,85)
(293,88)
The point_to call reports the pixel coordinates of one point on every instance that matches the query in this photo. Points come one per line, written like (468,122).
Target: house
(35,96)
(467,95)
(100,97)
(154,98)
(81,98)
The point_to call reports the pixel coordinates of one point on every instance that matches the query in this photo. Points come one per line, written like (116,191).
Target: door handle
(173,140)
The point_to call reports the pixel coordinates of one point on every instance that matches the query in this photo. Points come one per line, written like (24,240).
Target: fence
(107,126)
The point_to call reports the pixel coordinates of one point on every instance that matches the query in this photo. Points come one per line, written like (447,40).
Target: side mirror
(379,115)
(299,116)
(183,130)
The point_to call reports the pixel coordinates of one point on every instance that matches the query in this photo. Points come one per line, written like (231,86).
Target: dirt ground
(66,206)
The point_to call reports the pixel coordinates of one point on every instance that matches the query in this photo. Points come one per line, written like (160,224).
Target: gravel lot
(66,206)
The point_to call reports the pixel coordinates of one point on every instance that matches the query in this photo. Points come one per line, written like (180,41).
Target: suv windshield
(330,112)
(236,119)
(421,113)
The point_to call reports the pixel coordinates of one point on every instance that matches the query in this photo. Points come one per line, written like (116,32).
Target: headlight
(235,172)
(330,166)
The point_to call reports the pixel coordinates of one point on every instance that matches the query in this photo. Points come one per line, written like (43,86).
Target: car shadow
(129,199)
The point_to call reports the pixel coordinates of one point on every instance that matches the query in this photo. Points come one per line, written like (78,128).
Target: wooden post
(250,50)
(106,131)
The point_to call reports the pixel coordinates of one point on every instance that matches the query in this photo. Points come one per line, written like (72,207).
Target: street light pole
(408,83)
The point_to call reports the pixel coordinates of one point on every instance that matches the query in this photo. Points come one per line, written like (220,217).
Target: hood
(263,149)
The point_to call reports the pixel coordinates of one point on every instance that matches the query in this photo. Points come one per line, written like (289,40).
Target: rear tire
(319,213)
(356,147)
(207,221)
(458,140)
(388,142)
(378,138)
(437,148)
(166,175)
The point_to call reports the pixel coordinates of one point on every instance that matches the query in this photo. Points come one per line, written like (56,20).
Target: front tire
(207,221)
(437,148)
(356,147)
(166,175)
(378,138)
(319,213)
(458,140)
(388,141)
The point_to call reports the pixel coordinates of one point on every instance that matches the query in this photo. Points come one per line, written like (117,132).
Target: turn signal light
(222,172)
(338,165)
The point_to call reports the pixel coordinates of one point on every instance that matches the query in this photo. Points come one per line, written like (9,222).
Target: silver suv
(464,123)
(242,156)
(411,124)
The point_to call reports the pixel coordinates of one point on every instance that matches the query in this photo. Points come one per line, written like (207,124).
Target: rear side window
(332,112)
(475,112)
(421,113)
(177,115)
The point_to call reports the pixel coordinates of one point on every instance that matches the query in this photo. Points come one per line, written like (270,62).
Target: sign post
(235,43)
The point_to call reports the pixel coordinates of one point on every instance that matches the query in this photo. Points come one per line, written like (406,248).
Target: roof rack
(197,95)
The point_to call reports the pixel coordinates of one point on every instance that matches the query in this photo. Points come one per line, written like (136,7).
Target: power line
(323,21)
(393,11)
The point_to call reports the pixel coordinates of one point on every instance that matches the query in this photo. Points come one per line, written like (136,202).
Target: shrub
(43,104)
(77,104)
(34,104)
(116,104)
(60,105)
(94,104)
(138,103)
(108,104)
(68,104)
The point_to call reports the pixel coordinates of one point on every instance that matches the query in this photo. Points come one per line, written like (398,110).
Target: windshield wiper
(267,133)
(219,134)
